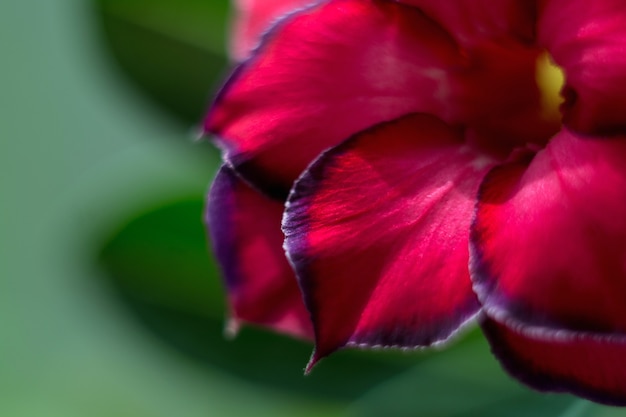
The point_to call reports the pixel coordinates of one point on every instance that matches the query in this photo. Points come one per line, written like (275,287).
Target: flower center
(550,79)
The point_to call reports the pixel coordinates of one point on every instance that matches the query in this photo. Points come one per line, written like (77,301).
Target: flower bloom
(423,179)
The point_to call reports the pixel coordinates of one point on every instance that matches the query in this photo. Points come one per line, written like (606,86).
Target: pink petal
(244,226)
(377,231)
(586,364)
(346,65)
(475,21)
(588,40)
(549,237)
(255,17)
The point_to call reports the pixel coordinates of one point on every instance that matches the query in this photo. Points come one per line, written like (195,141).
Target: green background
(110,304)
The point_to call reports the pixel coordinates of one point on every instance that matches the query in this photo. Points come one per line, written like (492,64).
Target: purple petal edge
(484,283)
(541,381)
(296,248)
(240,162)
(220,203)
(243,65)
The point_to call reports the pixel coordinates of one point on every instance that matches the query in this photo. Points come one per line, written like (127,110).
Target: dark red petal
(549,237)
(244,226)
(498,38)
(343,66)
(476,21)
(585,364)
(253,18)
(588,40)
(377,229)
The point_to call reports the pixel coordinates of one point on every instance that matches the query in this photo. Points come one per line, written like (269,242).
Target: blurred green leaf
(173,51)
(583,408)
(465,381)
(160,257)
(159,265)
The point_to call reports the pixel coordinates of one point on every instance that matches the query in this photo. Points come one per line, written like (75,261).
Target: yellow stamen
(550,79)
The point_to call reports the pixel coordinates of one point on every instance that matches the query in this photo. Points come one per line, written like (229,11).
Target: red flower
(410,138)
(254,17)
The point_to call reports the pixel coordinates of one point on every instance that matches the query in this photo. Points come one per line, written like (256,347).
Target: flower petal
(476,21)
(343,66)
(588,40)
(244,227)
(255,17)
(585,364)
(377,232)
(549,237)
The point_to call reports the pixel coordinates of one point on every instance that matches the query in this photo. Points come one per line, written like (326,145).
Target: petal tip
(316,357)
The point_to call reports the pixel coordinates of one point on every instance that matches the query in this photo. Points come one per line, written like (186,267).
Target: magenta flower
(411,139)
(254,17)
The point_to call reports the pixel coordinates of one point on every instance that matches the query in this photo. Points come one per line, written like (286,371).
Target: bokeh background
(110,304)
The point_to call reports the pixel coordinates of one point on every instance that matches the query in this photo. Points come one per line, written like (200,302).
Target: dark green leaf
(172,50)
(160,257)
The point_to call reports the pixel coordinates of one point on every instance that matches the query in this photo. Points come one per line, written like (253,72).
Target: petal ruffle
(588,40)
(549,237)
(377,231)
(340,67)
(588,365)
(475,21)
(244,227)
(255,17)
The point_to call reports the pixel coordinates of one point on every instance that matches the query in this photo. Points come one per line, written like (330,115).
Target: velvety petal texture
(473,22)
(589,365)
(429,179)
(244,227)
(343,66)
(497,37)
(377,232)
(253,18)
(549,237)
(588,40)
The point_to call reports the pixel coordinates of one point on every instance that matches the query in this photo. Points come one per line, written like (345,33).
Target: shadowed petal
(588,40)
(549,237)
(342,66)
(585,364)
(255,17)
(377,231)
(244,226)
(476,21)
